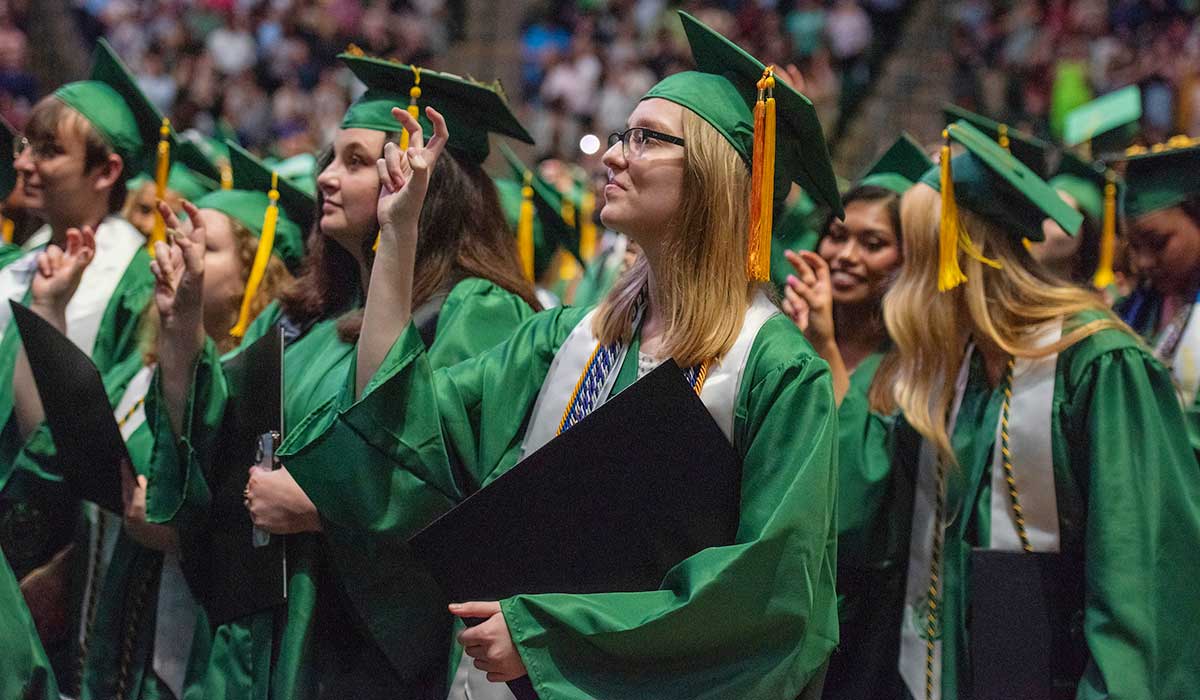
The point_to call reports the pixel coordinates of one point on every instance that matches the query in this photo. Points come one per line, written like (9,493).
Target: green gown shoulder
(476,315)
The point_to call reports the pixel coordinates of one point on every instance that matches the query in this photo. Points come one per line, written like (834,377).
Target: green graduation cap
(8,174)
(1162,178)
(1028,149)
(472,109)
(1083,180)
(1109,123)
(724,91)
(899,168)
(300,170)
(990,182)
(116,107)
(542,231)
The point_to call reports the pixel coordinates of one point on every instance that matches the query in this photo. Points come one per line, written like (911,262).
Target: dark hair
(461,233)
(1191,207)
(43,125)
(871,193)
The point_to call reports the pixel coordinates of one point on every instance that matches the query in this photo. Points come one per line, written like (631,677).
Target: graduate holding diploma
(695,178)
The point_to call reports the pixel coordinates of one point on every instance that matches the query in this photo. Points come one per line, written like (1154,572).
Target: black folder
(1026,625)
(87,441)
(237,578)
(645,481)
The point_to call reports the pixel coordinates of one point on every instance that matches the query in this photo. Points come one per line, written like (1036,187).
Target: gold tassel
(226,174)
(6,230)
(762,179)
(1108,239)
(414,94)
(568,211)
(950,275)
(162,171)
(525,227)
(262,257)
(587,227)
(1002,137)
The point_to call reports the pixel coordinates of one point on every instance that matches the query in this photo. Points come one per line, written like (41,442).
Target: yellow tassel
(226,174)
(414,94)
(262,257)
(762,179)
(162,171)
(568,211)
(1108,239)
(1002,137)
(6,230)
(950,275)
(525,227)
(568,269)
(587,228)
(375,245)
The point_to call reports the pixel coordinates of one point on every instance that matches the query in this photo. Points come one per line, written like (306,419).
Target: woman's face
(1164,246)
(224,276)
(350,187)
(1059,247)
(645,189)
(863,252)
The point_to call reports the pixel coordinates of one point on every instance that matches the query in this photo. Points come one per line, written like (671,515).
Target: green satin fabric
(24,669)
(1128,491)
(350,576)
(772,591)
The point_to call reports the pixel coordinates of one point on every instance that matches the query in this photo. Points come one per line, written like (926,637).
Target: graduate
(354,625)
(533,210)
(17,222)
(753,619)
(1035,422)
(143,620)
(82,143)
(835,296)
(1162,215)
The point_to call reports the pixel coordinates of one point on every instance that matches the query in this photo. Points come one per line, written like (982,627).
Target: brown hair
(275,278)
(50,116)
(461,233)
(703,287)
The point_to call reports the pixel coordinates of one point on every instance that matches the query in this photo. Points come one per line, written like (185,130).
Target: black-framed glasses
(635,140)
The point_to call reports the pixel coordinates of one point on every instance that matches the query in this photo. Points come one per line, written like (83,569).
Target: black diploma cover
(90,450)
(1026,625)
(643,482)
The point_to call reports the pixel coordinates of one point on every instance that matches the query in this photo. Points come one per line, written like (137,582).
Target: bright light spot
(589,144)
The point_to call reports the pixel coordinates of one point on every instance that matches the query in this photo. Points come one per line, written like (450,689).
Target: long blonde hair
(1008,306)
(702,287)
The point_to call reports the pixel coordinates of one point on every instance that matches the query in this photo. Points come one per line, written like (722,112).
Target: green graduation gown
(24,669)
(756,619)
(1128,493)
(339,628)
(872,546)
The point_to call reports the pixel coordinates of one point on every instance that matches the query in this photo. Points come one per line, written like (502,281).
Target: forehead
(868,214)
(658,114)
(369,140)
(218,228)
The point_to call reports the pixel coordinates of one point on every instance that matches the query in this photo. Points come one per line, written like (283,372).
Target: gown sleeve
(476,316)
(755,619)
(1142,494)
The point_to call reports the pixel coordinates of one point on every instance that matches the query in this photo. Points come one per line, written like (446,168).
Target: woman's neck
(859,330)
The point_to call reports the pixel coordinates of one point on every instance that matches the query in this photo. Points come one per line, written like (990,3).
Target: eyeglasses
(42,150)
(635,141)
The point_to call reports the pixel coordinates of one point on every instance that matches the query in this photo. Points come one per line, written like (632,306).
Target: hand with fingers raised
(808,297)
(58,274)
(178,268)
(404,174)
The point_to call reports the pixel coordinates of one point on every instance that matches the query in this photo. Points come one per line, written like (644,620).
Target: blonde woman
(755,619)
(1037,422)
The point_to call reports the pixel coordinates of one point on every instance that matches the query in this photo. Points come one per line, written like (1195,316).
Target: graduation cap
(899,168)
(273,209)
(1108,123)
(1094,189)
(1027,148)
(734,92)
(8,143)
(1161,177)
(534,209)
(472,109)
(299,170)
(191,176)
(990,182)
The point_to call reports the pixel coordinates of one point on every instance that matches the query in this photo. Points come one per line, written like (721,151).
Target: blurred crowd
(1029,62)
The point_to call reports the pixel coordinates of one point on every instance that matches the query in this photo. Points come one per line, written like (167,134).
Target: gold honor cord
(162,170)
(262,257)
(762,179)
(1006,460)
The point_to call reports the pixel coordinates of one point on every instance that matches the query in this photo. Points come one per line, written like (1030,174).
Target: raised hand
(404,175)
(808,297)
(178,269)
(59,272)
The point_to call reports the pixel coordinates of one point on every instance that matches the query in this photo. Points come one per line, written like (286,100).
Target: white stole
(1185,365)
(1030,447)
